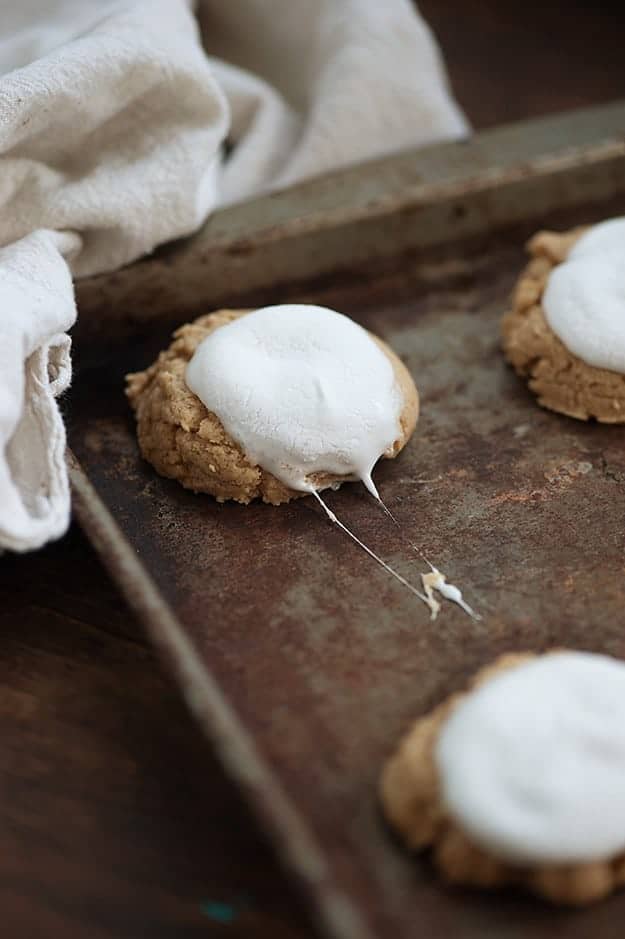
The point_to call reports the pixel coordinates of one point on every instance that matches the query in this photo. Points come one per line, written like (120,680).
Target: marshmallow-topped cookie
(584,299)
(532,763)
(303,390)
(566,329)
(520,780)
(272,403)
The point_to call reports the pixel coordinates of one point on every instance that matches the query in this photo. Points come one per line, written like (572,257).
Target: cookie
(560,379)
(185,441)
(412,799)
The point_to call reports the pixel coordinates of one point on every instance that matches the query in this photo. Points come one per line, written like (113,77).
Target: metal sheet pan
(302,662)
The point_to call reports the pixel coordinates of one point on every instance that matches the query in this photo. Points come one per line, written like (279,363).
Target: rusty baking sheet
(302,661)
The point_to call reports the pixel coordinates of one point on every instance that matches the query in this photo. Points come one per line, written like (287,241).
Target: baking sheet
(302,660)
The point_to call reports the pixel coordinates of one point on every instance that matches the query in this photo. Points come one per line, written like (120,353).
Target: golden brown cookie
(185,441)
(411,799)
(561,380)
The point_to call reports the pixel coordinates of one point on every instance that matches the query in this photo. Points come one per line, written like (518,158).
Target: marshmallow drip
(302,390)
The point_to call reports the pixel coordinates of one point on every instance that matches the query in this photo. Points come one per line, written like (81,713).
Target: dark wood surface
(510,60)
(115,821)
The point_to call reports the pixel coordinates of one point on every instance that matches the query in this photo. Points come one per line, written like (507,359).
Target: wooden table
(115,820)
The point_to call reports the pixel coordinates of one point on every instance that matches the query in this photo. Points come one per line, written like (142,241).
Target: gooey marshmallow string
(333,518)
(435,579)
(305,390)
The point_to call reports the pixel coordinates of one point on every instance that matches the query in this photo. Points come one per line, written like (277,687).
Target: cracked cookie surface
(410,792)
(561,380)
(185,441)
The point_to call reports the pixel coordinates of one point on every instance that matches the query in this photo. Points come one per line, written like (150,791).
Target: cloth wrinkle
(125,123)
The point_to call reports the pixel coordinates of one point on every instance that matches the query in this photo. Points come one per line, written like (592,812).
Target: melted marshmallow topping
(532,763)
(302,390)
(584,301)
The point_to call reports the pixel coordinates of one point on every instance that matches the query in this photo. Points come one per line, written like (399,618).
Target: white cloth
(113,120)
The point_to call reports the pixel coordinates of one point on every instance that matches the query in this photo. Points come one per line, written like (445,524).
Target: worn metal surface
(370,213)
(322,658)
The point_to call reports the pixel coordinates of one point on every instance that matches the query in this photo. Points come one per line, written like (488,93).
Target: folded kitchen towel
(113,120)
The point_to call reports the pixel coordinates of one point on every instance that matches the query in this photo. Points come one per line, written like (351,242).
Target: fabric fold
(36,303)
(124,123)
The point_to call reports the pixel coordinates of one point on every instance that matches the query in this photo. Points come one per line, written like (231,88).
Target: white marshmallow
(584,301)
(302,390)
(532,764)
